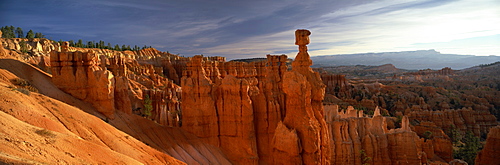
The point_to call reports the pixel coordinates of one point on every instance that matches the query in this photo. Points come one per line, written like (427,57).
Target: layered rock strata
(79,74)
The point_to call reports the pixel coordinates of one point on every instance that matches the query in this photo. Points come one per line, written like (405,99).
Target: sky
(246,29)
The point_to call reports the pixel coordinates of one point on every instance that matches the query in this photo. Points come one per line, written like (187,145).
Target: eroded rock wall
(229,103)
(78,74)
(355,138)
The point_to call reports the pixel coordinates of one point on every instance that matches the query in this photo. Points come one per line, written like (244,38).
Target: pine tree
(72,43)
(101,44)
(117,47)
(90,44)
(30,34)
(19,32)
(79,43)
(8,32)
(39,35)
(469,149)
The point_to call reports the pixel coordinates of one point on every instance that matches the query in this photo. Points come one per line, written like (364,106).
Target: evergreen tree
(469,149)
(124,47)
(30,34)
(147,107)
(109,46)
(117,47)
(101,44)
(11,32)
(8,32)
(72,43)
(39,35)
(79,44)
(19,32)
(90,44)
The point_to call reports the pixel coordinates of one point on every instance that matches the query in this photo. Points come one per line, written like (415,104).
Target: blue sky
(242,29)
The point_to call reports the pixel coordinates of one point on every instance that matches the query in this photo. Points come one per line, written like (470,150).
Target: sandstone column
(304,91)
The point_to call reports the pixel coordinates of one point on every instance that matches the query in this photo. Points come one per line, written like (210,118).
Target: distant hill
(411,60)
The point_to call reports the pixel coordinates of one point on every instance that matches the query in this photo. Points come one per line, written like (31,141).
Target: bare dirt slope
(43,82)
(38,129)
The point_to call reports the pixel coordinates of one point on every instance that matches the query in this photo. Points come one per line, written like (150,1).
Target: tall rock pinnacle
(304,91)
(302,59)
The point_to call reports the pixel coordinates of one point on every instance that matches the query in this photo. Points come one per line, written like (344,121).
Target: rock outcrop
(79,74)
(118,82)
(491,150)
(356,138)
(304,92)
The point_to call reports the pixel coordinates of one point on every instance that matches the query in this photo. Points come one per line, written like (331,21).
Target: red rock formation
(304,106)
(235,117)
(441,143)
(229,103)
(491,150)
(286,144)
(335,84)
(78,74)
(198,105)
(165,106)
(269,103)
(353,136)
(219,109)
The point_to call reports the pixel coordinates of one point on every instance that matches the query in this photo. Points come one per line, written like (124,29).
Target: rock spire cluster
(258,112)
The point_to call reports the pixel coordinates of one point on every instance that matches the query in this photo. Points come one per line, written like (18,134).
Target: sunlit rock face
(356,137)
(78,74)
(238,106)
